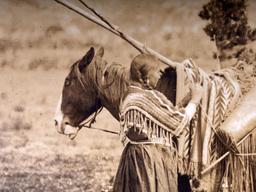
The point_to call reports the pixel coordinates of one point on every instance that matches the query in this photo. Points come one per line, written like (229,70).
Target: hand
(197,93)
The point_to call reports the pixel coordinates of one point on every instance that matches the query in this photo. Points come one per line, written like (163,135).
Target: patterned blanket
(199,142)
(221,93)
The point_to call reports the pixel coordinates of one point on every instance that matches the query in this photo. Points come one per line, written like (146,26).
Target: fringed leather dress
(150,126)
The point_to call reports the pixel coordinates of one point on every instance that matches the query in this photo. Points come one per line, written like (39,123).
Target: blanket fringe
(241,170)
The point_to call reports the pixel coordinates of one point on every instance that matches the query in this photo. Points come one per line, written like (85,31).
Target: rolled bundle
(235,130)
(243,118)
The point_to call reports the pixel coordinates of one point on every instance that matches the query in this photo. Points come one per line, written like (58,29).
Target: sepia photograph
(127,96)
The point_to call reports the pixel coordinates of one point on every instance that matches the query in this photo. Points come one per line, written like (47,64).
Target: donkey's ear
(100,52)
(87,59)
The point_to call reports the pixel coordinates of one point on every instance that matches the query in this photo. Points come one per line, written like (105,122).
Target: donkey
(90,85)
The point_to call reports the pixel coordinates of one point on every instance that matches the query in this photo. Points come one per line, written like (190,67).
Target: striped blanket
(200,143)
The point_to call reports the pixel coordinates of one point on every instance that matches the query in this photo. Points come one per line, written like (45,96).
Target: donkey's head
(79,98)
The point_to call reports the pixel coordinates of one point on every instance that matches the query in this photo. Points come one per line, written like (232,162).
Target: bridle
(92,119)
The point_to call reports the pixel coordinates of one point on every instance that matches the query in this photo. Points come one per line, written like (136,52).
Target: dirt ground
(39,40)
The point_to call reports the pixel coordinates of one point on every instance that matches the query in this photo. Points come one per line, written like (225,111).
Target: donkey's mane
(111,82)
(116,78)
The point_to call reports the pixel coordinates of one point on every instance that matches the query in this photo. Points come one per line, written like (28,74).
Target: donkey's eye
(67,82)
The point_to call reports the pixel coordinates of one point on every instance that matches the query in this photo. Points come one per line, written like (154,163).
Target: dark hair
(167,84)
(141,66)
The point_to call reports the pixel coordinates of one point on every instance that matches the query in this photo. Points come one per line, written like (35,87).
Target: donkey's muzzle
(66,129)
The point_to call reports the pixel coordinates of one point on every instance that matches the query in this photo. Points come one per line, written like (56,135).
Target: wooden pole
(114,29)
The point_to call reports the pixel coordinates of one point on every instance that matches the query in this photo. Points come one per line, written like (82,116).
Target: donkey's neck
(111,82)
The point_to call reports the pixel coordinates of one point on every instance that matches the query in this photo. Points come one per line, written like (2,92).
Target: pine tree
(228,26)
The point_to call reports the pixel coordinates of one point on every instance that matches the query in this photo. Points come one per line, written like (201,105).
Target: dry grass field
(39,40)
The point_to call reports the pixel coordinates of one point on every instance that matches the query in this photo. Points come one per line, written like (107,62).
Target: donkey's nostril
(56,122)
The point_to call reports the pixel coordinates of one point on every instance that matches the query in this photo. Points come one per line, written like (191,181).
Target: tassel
(157,130)
(135,120)
(142,122)
(150,129)
(132,116)
(128,120)
(154,131)
(144,127)
(160,132)
(129,116)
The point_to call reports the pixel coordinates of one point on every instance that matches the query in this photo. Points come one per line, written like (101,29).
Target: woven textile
(199,147)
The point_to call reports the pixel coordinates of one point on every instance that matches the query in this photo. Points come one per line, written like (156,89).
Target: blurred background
(39,41)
